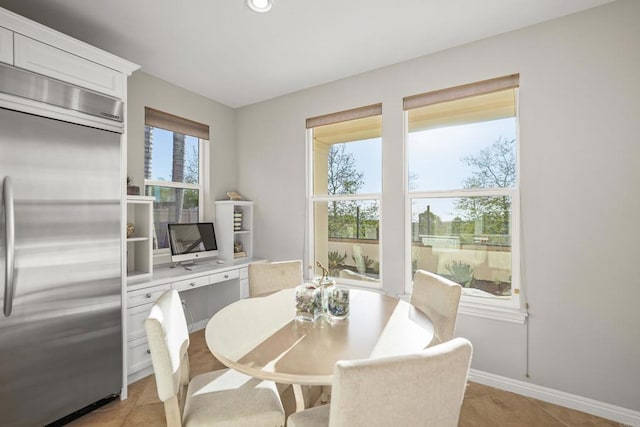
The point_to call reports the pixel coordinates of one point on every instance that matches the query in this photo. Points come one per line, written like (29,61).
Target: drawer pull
(148,295)
(226,276)
(192,283)
(148,351)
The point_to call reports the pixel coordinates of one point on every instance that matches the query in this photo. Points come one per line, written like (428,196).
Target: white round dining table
(260,337)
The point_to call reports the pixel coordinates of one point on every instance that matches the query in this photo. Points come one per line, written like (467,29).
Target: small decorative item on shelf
(238,250)
(237,221)
(232,195)
(130,229)
(132,190)
(306,302)
(338,303)
(325,285)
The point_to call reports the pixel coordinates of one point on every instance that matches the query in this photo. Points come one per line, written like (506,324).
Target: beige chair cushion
(268,277)
(421,389)
(232,399)
(314,417)
(439,299)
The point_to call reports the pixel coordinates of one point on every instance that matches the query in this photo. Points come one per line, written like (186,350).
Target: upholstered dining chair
(418,389)
(439,298)
(219,398)
(267,277)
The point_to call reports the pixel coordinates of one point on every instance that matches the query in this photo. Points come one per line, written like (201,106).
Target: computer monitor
(192,241)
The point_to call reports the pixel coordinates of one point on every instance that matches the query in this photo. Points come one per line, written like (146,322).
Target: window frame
(313,198)
(161,255)
(507,309)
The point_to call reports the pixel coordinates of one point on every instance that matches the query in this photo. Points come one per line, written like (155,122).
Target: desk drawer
(146,295)
(139,355)
(223,277)
(135,321)
(196,282)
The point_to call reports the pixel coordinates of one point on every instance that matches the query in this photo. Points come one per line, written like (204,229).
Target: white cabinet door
(6,46)
(49,61)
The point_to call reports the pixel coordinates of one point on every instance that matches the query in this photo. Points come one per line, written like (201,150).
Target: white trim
(493,312)
(557,397)
(196,326)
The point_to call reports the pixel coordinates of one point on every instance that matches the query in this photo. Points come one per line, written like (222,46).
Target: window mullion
(345,197)
(464,193)
(171,184)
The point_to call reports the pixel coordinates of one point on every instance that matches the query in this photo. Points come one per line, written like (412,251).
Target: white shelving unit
(140,244)
(228,236)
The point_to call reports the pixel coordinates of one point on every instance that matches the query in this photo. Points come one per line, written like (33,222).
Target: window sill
(485,311)
(503,314)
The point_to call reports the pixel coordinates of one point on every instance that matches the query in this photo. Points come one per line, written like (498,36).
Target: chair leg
(172,412)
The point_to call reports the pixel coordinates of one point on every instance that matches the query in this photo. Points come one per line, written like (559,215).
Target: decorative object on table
(338,303)
(238,250)
(232,195)
(130,229)
(132,190)
(306,302)
(325,285)
(237,221)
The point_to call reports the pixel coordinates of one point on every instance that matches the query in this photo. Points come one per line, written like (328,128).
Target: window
(345,169)
(462,182)
(173,170)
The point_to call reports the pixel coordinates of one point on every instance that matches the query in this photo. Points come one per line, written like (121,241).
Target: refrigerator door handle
(9,245)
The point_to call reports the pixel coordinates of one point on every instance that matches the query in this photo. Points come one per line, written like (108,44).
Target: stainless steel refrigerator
(60,249)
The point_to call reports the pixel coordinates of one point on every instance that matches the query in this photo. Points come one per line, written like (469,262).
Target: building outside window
(173,167)
(345,184)
(463,193)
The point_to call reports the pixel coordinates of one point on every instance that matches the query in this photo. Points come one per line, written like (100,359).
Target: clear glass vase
(338,303)
(307,301)
(325,286)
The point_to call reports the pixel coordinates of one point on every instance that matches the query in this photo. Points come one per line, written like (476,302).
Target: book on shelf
(239,254)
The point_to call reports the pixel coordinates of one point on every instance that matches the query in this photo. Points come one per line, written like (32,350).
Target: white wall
(580,170)
(145,90)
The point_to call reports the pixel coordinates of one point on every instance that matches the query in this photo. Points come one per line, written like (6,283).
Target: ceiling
(224,51)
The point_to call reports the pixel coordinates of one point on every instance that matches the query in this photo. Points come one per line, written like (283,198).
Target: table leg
(299,396)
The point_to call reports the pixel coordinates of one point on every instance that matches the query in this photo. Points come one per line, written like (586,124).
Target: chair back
(439,299)
(267,277)
(168,337)
(420,389)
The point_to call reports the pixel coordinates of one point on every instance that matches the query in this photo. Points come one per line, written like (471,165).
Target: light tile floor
(483,406)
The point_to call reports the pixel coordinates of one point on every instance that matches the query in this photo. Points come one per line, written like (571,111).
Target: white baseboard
(198,325)
(145,372)
(568,400)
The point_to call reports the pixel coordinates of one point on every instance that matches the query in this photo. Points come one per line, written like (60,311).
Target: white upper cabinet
(34,47)
(44,59)
(6,46)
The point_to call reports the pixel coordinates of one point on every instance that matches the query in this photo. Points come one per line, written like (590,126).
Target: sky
(163,152)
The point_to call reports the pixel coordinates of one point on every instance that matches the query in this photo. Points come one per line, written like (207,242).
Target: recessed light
(260,6)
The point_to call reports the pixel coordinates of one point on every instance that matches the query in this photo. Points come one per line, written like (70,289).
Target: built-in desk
(233,284)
